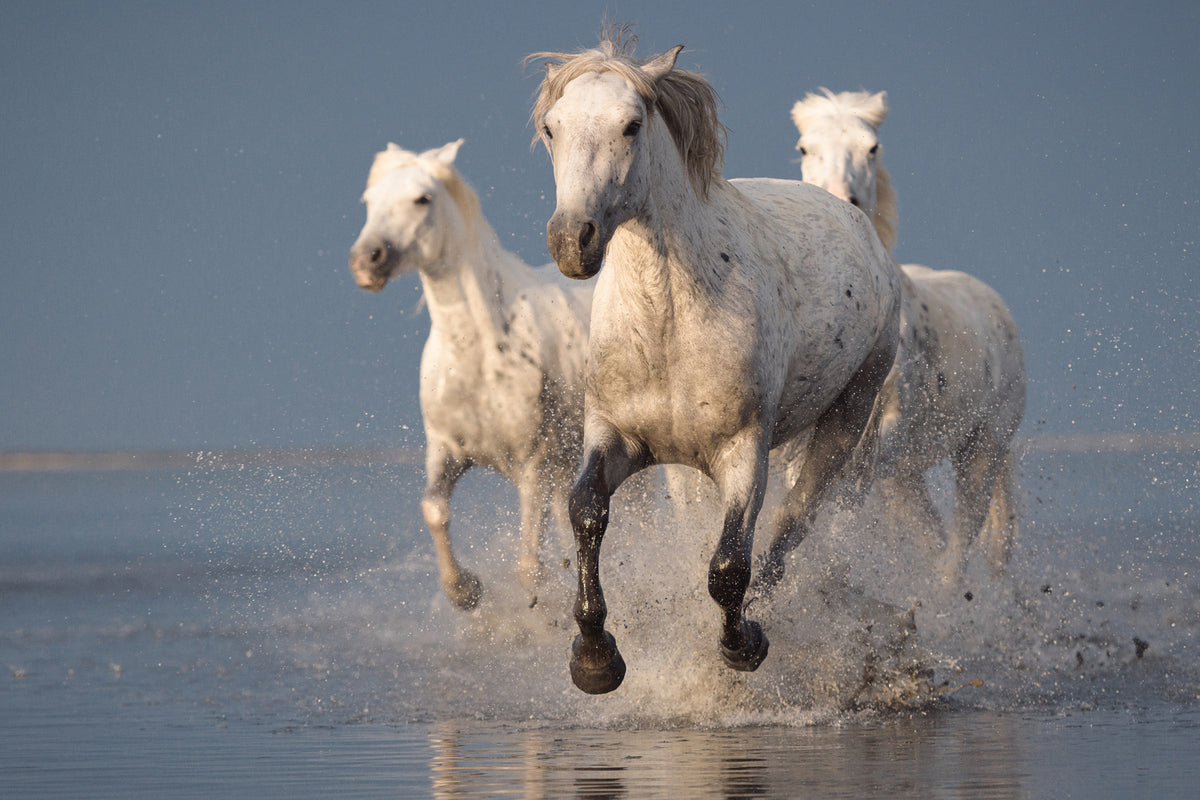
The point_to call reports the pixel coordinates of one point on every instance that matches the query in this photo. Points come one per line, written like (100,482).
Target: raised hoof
(465,592)
(750,655)
(597,670)
(766,578)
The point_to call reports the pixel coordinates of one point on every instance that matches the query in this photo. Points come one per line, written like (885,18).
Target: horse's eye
(546,132)
(423,200)
(874,148)
(633,127)
(802,149)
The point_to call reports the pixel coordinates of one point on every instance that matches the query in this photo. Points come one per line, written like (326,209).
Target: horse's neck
(660,251)
(469,288)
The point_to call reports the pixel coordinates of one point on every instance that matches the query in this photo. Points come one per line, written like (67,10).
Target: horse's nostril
(586,235)
(377,255)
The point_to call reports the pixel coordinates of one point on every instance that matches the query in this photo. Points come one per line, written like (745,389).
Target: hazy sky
(181,185)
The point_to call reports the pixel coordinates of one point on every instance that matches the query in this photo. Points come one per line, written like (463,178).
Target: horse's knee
(728,578)
(588,512)
(436,510)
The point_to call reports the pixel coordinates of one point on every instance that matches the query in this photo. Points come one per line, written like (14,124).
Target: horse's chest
(484,397)
(679,397)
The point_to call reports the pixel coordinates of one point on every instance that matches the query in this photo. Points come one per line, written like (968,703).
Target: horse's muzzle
(372,263)
(575,245)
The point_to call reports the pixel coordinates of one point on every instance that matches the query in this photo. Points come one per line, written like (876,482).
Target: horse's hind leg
(976,466)
(851,422)
(463,588)
(596,664)
(742,479)
(1000,528)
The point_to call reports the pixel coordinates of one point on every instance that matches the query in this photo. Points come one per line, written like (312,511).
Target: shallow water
(223,630)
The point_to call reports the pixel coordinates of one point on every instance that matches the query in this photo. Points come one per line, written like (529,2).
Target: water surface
(232,629)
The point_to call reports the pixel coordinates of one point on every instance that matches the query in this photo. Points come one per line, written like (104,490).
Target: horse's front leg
(442,473)
(596,664)
(742,476)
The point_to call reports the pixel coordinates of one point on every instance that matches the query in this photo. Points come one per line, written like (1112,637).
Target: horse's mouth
(372,283)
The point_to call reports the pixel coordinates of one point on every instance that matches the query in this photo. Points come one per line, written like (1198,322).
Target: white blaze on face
(594,134)
(841,156)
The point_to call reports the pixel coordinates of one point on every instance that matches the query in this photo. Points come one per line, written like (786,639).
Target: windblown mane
(886,217)
(396,157)
(686,101)
(871,108)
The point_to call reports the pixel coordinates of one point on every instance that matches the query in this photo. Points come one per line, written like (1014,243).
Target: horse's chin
(575,263)
(581,270)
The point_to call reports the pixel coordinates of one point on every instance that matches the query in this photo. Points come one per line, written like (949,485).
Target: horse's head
(408,214)
(839,143)
(601,114)
(595,137)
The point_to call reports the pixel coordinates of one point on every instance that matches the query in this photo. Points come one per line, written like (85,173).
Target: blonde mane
(464,197)
(871,108)
(686,101)
(886,218)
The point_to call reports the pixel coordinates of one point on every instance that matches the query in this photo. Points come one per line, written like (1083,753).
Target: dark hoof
(597,670)
(750,655)
(465,592)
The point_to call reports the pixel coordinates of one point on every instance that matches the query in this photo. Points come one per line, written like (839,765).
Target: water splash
(860,625)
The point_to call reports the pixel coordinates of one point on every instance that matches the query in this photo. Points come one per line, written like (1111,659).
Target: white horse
(501,371)
(958,387)
(729,317)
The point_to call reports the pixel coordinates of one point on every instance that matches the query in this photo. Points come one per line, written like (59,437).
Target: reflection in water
(939,755)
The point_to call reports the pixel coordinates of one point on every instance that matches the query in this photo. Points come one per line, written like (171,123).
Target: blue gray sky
(181,185)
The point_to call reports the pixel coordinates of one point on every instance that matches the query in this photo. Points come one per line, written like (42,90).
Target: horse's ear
(800,116)
(446,153)
(662,63)
(880,99)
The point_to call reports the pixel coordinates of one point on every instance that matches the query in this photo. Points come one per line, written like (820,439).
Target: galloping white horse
(958,387)
(729,317)
(501,373)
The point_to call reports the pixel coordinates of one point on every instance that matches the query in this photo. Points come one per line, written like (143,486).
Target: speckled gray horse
(957,390)
(501,373)
(729,317)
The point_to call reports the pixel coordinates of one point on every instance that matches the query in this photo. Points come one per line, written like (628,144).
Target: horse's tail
(1000,527)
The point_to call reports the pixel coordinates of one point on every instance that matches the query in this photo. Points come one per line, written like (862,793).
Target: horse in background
(729,317)
(957,390)
(501,371)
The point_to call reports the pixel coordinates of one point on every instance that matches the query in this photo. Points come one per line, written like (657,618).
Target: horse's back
(977,333)
(817,237)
